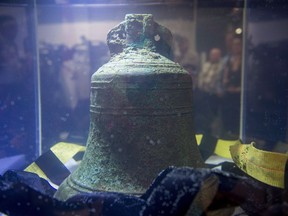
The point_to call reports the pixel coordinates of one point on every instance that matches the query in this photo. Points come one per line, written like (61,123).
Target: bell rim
(72,183)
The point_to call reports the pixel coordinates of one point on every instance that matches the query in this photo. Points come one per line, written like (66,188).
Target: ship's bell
(141,114)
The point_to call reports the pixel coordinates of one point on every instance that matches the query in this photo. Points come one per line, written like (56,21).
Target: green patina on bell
(141,114)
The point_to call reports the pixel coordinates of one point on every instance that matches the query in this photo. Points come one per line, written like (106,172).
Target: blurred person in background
(209,90)
(232,90)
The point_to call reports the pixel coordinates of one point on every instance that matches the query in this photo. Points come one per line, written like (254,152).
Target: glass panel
(72,46)
(217,79)
(18,108)
(266,76)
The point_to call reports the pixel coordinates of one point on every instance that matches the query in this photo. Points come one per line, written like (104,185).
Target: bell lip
(76,186)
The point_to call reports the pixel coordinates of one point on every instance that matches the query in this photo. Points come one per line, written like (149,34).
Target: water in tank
(234,52)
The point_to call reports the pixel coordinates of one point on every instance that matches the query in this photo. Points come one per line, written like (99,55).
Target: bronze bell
(141,113)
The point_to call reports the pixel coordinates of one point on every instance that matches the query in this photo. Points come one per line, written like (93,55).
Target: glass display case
(20,141)
(234,52)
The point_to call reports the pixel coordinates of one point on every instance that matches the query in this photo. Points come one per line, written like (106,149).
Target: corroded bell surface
(141,114)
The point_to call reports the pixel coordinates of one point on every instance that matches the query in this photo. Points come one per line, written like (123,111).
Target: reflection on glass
(66,74)
(17,102)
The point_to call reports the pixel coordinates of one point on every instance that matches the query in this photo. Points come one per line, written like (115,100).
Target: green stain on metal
(141,114)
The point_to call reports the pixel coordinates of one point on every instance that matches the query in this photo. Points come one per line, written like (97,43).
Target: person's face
(215,55)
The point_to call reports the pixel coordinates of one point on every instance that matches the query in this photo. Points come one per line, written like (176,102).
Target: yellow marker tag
(33,168)
(265,166)
(65,151)
(199,138)
(223,147)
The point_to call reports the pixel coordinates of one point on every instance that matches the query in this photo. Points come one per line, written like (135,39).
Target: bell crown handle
(140,31)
